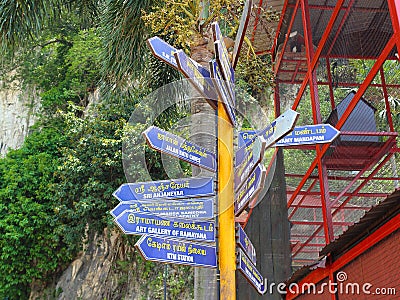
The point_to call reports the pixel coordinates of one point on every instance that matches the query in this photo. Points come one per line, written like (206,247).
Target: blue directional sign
(253,184)
(139,223)
(309,134)
(178,252)
(202,208)
(279,127)
(222,58)
(245,243)
(221,53)
(224,95)
(274,131)
(176,146)
(243,152)
(166,189)
(250,272)
(198,76)
(246,158)
(163,51)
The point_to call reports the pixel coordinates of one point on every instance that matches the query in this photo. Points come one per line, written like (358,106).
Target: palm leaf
(20,20)
(125,50)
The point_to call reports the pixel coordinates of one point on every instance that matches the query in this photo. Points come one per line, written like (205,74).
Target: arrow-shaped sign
(224,95)
(309,134)
(198,76)
(166,189)
(253,184)
(179,252)
(244,242)
(163,51)
(139,223)
(301,135)
(279,127)
(176,146)
(244,21)
(186,209)
(249,270)
(246,158)
(221,53)
(274,131)
(222,58)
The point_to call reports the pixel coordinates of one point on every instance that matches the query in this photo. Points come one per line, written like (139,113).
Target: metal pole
(226,219)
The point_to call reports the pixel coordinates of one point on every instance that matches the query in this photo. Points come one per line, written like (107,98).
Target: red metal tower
(342,55)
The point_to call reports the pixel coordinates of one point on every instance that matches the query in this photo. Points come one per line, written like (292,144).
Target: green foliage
(256,73)
(60,182)
(89,172)
(185,21)
(54,191)
(125,52)
(30,246)
(66,71)
(20,21)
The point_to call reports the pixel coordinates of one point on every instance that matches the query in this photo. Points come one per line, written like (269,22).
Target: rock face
(86,276)
(107,269)
(17,114)
(92,275)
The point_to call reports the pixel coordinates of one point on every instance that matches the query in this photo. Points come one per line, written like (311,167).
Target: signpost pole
(226,215)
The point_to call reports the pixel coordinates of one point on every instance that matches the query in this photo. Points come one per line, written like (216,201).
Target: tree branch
(61,41)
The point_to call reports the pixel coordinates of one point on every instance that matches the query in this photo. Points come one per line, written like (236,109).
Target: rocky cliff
(110,268)
(17,114)
(96,273)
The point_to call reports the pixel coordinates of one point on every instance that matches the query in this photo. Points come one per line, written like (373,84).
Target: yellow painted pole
(226,214)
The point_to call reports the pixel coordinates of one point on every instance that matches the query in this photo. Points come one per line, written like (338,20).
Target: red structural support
(343,203)
(278,63)
(318,51)
(321,273)
(325,197)
(318,186)
(394,8)
(385,95)
(347,112)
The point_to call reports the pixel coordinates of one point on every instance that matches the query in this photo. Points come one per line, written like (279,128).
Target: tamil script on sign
(179,252)
(188,209)
(137,223)
(166,189)
(246,158)
(250,188)
(245,243)
(199,76)
(174,145)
